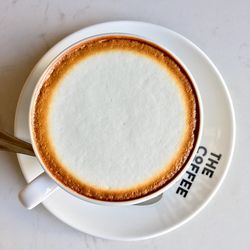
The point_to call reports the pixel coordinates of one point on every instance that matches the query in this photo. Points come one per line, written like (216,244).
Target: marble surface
(220,28)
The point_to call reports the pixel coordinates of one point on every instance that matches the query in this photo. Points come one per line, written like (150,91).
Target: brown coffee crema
(65,62)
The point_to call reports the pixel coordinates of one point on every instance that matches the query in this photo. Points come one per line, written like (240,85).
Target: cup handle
(37,191)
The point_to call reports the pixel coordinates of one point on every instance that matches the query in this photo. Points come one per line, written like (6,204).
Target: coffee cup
(115,119)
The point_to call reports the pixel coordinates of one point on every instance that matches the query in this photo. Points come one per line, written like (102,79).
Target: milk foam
(117,118)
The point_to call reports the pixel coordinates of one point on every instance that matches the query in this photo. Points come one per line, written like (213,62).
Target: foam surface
(116,119)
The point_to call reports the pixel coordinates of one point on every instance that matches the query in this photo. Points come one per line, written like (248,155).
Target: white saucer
(173,210)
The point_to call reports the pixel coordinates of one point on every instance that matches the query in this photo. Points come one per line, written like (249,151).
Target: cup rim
(177,176)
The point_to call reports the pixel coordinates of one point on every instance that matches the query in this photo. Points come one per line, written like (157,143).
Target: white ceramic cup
(45,184)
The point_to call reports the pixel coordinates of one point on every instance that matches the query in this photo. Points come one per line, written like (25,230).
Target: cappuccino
(115,118)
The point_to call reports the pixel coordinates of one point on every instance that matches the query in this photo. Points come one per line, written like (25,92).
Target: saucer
(199,183)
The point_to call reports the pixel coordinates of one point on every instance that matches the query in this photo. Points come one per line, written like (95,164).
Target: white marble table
(221,28)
